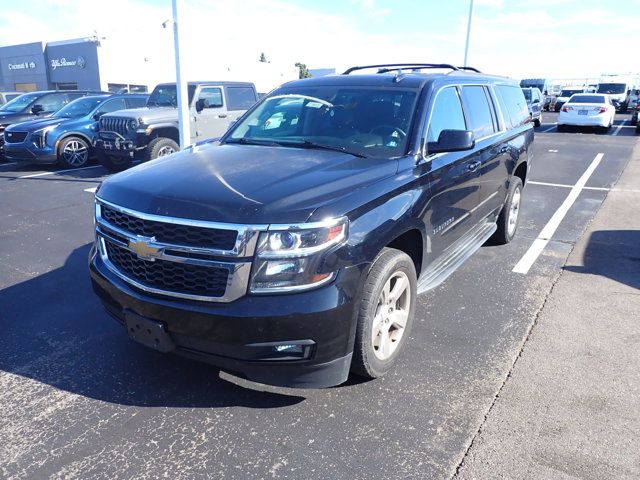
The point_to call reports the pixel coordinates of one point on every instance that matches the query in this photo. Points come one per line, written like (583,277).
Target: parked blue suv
(67,136)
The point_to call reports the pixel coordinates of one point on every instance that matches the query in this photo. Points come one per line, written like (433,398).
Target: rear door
(212,120)
(490,152)
(453,176)
(240,98)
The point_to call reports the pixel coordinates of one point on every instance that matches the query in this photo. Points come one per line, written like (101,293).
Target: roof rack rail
(390,67)
(471,69)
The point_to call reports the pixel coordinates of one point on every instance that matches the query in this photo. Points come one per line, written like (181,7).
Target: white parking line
(532,182)
(91,190)
(548,129)
(619,127)
(59,171)
(550,228)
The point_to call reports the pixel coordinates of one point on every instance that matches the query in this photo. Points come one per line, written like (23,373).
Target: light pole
(181,84)
(466,47)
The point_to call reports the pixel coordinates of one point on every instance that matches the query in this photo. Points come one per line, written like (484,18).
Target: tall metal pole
(466,47)
(183,98)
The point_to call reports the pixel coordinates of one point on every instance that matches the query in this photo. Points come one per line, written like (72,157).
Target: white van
(618,89)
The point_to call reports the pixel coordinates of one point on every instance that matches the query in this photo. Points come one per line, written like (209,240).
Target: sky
(517,38)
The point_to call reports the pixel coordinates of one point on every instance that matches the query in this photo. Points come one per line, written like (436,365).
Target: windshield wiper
(253,141)
(320,146)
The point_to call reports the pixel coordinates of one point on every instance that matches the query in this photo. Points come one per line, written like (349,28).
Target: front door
(453,177)
(209,113)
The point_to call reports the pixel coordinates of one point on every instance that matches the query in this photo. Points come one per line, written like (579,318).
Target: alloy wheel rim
(75,153)
(392,313)
(514,211)
(164,151)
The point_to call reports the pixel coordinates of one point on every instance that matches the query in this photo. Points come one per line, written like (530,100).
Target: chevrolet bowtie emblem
(142,248)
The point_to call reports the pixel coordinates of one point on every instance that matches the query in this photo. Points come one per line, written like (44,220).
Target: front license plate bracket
(148,332)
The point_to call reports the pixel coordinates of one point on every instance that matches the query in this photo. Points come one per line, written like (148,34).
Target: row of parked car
(72,127)
(580,107)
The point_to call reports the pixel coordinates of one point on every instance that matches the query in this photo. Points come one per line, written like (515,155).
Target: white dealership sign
(22,66)
(79,62)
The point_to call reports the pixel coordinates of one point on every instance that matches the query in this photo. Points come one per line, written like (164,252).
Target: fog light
(279,351)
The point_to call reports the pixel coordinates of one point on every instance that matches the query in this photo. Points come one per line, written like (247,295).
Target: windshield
(167,96)
(612,88)
(80,107)
(527,94)
(568,93)
(366,122)
(587,99)
(21,103)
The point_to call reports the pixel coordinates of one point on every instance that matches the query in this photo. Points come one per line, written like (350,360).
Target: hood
(147,114)
(37,124)
(243,183)
(9,118)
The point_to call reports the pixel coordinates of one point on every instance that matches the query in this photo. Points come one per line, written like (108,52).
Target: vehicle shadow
(55,331)
(614,254)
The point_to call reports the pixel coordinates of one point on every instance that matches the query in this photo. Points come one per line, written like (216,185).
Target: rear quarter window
(513,105)
(240,98)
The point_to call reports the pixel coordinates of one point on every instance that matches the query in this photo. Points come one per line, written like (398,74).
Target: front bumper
(232,336)
(22,153)
(119,146)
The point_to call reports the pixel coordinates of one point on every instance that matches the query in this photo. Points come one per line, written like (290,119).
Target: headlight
(40,136)
(291,258)
(133,124)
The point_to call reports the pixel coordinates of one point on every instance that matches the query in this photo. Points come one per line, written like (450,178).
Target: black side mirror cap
(96,116)
(201,105)
(452,141)
(37,108)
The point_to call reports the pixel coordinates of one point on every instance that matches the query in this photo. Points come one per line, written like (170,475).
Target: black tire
(389,264)
(74,152)
(637,128)
(114,163)
(562,128)
(504,234)
(537,122)
(160,147)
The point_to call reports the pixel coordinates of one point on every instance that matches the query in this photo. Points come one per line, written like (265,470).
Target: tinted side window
(513,99)
(446,114)
(52,102)
(240,98)
(112,106)
(476,106)
(136,102)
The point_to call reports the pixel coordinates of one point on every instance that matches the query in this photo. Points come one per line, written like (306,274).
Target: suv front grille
(177,234)
(176,277)
(15,137)
(115,124)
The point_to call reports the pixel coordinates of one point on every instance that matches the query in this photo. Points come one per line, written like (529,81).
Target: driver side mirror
(201,104)
(97,115)
(452,141)
(536,100)
(37,108)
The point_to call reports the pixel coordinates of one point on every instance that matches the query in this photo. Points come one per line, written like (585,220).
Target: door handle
(504,149)
(222,115)
(473,166)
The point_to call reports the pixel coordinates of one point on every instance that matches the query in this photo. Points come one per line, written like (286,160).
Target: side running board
(446,265)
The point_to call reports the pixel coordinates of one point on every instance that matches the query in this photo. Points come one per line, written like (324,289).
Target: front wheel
(386,313)
(73,152)
(510,215)
(537,122)
(160,147)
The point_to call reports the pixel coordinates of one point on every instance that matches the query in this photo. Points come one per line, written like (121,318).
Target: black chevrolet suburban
(291,251)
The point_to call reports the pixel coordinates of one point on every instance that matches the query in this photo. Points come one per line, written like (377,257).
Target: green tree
(263,58)
(304,71)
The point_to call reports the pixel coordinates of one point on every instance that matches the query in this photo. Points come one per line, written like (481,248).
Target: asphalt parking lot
(79,400)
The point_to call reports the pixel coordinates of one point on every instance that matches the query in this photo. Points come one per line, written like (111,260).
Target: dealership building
(67,65)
